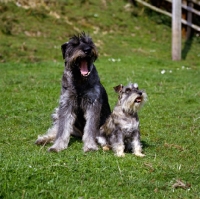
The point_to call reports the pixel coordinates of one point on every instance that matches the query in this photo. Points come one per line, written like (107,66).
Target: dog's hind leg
(102,140)
(65,129)
(51,133)
(118,149)
(48,137)
(66,120)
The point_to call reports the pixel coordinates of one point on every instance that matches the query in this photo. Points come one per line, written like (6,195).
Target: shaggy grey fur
(83,106)
(121,129)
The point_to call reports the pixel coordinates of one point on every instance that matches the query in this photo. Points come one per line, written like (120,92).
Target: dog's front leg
(91,130)
(67,119)
(136,144)
(117,143)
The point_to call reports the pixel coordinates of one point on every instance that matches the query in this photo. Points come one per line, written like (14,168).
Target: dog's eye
(128,90)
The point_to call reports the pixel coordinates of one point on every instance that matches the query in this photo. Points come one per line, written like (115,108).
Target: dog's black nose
(87,50)
(139,92)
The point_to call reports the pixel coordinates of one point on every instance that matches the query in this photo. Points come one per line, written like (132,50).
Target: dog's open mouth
(138,99)
(84,68)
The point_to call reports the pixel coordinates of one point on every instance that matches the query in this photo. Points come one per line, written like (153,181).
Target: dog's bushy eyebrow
(87,40)
(75,39)
(81,38)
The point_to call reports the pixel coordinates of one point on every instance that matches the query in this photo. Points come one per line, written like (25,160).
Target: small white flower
(162,72)
(170,71)
(183,67)
(18,4)
(114,60)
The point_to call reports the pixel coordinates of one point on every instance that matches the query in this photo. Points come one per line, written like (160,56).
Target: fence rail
(183,21)
(177,20)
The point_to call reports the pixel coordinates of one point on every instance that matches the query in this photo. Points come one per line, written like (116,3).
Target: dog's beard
(133,103)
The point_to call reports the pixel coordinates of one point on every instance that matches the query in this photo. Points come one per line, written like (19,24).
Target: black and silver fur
(121,129)
(83,105)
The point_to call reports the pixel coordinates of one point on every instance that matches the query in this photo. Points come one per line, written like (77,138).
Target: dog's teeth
(87,74)
(138,100)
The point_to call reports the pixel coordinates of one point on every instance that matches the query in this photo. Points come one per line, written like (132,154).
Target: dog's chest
(129,125)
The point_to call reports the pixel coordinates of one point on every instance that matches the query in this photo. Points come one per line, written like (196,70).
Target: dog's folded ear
(118,88)
(63,48)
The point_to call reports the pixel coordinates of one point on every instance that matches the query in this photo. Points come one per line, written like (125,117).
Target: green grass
(30,75)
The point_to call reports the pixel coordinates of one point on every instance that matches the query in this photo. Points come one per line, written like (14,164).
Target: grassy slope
(29,93)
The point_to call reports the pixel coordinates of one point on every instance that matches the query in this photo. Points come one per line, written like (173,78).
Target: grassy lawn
(132,48)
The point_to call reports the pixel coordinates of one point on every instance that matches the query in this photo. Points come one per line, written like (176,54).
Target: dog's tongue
(138,100)
(84,68)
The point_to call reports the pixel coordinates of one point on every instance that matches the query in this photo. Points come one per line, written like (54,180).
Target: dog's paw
(106,148)
(139,154)
(56,148)
(120,154)
(41,141)
(59,145)
(90,147)
(53,149)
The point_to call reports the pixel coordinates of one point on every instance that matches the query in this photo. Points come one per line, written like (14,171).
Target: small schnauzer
(83,105)
(121,129)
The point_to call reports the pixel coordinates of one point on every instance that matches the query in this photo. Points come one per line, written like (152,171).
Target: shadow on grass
(187,47)
(74,139)
(144,145)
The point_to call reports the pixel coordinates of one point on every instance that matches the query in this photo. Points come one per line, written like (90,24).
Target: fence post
(176,29)
(189,19)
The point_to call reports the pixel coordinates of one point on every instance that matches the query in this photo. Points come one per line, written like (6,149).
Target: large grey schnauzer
(83,105)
